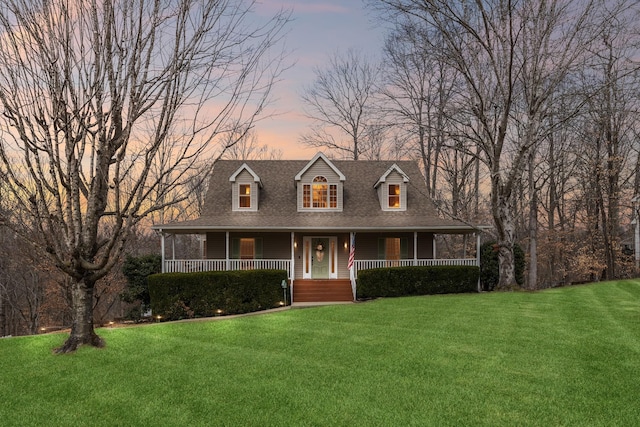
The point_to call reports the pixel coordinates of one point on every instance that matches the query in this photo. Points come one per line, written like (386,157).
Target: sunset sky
(319,29)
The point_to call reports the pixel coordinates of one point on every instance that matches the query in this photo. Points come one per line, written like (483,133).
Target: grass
(562,357)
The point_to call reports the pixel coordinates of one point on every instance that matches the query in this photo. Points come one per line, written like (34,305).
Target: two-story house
(321,220)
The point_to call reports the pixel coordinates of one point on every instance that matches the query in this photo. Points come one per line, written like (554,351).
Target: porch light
(295,244)
(346,244)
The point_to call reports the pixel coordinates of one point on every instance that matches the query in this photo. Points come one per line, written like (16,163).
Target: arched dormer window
(320,194)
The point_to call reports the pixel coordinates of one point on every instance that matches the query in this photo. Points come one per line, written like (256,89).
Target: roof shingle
(277,207)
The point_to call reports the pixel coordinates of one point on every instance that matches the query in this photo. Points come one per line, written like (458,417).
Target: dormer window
(244,195)
(394,196)
(320,194)
(392,189)
(320,186)
(245,184)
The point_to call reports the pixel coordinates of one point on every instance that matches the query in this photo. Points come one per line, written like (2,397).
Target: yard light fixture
(158,317)
(283,284)
(219,312)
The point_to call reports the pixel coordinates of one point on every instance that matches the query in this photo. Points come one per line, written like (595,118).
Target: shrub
(489,270)
(404,281)
(137,270)
(185,295)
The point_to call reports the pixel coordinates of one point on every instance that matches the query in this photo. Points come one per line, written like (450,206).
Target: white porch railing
(366,264)
(195,265)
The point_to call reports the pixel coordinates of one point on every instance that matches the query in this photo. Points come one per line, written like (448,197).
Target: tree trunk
(82,332)
(533,226)
(506,260)
(3,316)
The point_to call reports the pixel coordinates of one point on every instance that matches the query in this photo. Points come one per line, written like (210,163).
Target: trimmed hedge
(405,281)
(185,295)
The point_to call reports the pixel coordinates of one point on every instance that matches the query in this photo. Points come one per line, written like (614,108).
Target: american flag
(352,251)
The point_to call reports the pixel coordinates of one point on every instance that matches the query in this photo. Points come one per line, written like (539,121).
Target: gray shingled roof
(277,208)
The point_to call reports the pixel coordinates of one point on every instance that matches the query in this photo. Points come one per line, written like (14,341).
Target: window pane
(392,248)
(333,196)
(247,248)
(245,196)
(319,195)
(306,196)
(394,195)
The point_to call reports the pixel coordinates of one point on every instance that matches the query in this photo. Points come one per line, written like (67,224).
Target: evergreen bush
(137,270)
(405,281)
(185,295)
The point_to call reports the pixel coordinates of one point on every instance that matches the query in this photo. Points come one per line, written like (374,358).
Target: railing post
(162,250)
(226,250)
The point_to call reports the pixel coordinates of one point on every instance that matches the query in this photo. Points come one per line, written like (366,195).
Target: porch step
(315,290)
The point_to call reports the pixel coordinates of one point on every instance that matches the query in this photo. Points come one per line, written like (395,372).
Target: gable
(320,164)
(392,189)
(319,186)
(245,187)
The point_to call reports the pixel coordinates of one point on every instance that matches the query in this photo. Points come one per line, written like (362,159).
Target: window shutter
(258,247)
(235,248)
(404,248)
(382,254)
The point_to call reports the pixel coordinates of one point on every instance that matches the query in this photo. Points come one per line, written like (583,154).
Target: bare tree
(342,101)
(106,107)
(248,147)
(486,42)
(612,118)
(419,85)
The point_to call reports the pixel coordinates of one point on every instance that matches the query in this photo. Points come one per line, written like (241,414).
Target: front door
(320,257)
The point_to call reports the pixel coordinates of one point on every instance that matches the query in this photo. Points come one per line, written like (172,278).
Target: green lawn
(562,357)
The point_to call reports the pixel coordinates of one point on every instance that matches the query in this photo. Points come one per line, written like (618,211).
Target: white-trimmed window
(393,249)
(244,196)
(246,248)
(320,194)
(394,196)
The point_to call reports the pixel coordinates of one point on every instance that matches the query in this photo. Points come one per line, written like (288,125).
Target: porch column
(293,257)
(352,271)
(173,247)
(162,250)
(478,258)
(415,248)
(226,251)
(433,244)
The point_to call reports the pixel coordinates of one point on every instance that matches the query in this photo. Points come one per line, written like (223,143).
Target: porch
(317,260)
(198,265)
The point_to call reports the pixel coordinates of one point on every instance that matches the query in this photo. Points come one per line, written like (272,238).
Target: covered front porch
(314,256)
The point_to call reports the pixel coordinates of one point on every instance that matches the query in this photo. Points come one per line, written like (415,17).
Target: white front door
(320,257)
